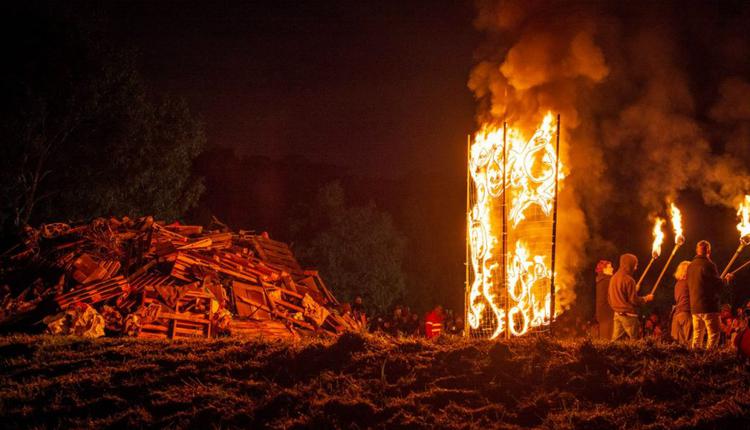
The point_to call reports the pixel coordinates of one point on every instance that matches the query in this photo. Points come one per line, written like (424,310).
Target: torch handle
(643,275)
(745,264)
(734,257)
(664,270)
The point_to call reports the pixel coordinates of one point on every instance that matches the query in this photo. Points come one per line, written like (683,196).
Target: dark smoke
(654,99)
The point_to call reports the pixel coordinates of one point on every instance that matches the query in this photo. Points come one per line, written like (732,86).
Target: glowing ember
(676,224)
(658,237)
(530,182)
(744,214)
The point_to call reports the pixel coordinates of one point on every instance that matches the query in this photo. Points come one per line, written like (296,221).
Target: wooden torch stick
(643,275)
(664,270)
(745,264)
(744,241)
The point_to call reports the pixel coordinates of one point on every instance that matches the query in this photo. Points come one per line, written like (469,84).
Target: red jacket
(433,324)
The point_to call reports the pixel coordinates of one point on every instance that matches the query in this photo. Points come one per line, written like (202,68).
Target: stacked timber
(155,280)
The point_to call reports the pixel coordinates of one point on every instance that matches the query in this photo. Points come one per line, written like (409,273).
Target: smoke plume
(652,95)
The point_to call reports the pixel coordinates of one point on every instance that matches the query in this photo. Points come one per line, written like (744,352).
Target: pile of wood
(148,279)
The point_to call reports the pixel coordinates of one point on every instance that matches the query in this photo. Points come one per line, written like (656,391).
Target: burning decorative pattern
(530,182)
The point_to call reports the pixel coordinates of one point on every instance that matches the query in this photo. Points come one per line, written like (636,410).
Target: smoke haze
(654,100)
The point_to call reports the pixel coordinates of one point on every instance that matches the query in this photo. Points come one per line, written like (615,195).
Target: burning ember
(658,237)
(511,289)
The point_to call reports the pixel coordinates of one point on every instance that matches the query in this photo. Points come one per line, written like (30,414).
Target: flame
(531,166)
(523,274)
(676,224)
(743,212)
(530,182)
(485,171)
(658,237)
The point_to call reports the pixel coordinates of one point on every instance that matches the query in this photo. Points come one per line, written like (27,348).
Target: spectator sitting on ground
(396,321)
(413,326)
(741,341)
(652,327)
(726,323)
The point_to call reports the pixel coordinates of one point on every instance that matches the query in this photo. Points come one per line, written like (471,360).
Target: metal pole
(468,232)
(664,270)
(554,227)
(505,232)
(643,275)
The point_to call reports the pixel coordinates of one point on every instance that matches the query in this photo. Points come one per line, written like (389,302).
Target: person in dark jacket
(681,320)
(704,285)
(624,300)
(604,314)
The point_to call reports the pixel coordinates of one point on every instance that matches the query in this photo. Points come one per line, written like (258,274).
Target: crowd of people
(696,319)
(402,321)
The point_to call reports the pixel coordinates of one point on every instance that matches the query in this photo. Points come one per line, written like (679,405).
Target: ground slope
(359,382)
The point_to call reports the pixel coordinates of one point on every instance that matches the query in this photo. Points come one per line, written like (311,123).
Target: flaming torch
(679,239)
(655,248)
(743,212)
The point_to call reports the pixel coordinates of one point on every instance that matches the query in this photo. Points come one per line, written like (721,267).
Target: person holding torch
(624,299)
(704,286)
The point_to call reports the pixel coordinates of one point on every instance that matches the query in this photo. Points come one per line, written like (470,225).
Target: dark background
(296,95)
(370,94)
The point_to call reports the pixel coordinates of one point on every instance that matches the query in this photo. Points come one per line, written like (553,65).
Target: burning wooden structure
(152,280)
(512,187)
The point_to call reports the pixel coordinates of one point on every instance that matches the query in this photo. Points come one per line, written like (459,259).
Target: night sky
(379,87)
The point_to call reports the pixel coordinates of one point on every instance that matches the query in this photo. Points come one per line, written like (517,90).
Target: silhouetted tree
(356,248)
(78,135)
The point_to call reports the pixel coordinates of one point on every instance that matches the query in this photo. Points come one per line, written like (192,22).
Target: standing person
(604,313)
(433,322)
(704,285)
(624,300)
(681,319)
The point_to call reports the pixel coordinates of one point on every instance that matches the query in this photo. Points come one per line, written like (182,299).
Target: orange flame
(676,224)
(658,237)
(523,273)
(743,212)
(531,166)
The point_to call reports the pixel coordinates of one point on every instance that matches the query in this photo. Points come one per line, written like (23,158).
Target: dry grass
(360,382)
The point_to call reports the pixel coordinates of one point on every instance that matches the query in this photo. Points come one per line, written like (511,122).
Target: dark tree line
(80,135)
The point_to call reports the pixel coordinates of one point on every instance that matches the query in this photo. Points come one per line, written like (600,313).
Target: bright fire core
(511,293)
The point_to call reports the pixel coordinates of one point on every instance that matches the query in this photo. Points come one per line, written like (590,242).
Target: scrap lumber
(168,281)
(94,293)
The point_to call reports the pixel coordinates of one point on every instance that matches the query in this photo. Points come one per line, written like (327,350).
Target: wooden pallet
(96,292)
(276,254)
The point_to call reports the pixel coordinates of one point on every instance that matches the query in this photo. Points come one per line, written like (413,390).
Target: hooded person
(624,300)
(604,313)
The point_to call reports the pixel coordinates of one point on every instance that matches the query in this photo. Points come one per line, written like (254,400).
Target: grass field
(361,382)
